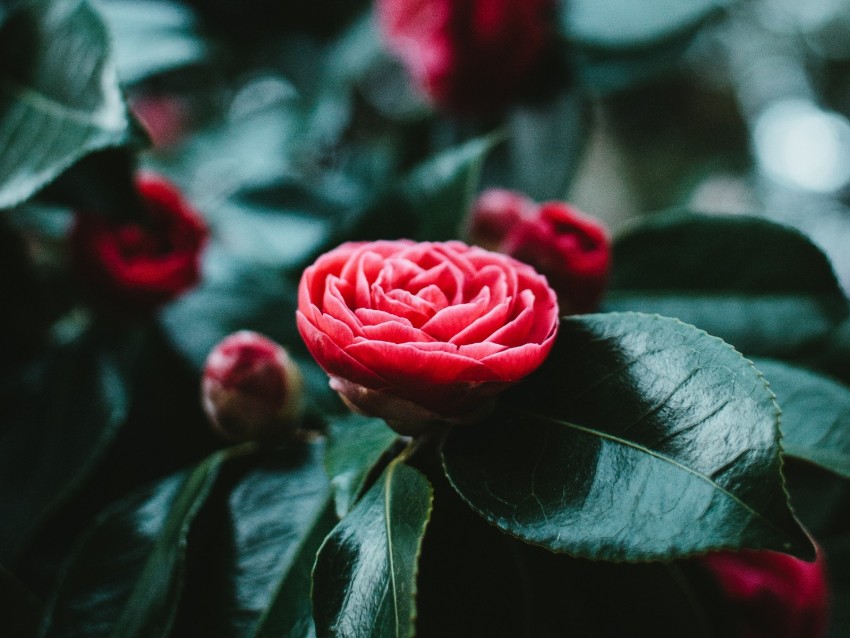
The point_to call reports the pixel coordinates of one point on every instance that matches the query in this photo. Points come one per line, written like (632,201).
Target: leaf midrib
(387,502)
(660,457)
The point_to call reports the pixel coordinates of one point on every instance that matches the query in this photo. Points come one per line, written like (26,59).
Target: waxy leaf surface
(364,581)
(815,415)
(760,286)
(640,438)
(125,577)
(59,95)
(253,545)
(59,418)
(356,445)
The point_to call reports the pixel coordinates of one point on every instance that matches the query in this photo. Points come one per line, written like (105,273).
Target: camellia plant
(320,321)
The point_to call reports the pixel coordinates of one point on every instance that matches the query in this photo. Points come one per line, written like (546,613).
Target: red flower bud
(571,249)
(495,213)
(773,595)
(142,266)
(163,116)
(417,332)
(251,389)
(475,55)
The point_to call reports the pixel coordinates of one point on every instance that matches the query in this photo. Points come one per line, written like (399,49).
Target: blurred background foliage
(291,128)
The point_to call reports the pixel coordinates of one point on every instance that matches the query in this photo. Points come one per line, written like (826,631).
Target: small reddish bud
(773,595)
(571,249)
(251,389)
(495,213)
(164,117)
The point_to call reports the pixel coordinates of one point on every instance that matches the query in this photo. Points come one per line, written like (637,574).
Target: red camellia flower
(142,266)
(773,595)
(414,332)
(468,56)
(572,249)
(251,389)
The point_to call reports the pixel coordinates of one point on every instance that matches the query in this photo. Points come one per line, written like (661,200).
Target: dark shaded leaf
(59,95)
(252,547)
(440,191)
(838,565)
(126,575)
(543,149)
(639,438)
(356,445)
(60,415)
(364,581)
(475,580)
(606,72)
(815,415)
(762,287)
(620,24)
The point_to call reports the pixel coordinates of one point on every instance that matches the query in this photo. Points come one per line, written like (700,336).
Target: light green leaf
(59,95)
(815,415)
(622,24)
(152,36)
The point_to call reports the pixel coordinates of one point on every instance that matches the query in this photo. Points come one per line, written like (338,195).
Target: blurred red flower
(136,265)
(473,56)
(773,595)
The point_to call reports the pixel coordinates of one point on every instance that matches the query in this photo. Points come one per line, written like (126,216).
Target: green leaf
(607,72)
(152,37)
(815,415)
(760,286)
(356,445)
(253,545)
(640,438)
(621,24)
(290,612)
(544,146)
(60,416)
(59,95)
(126,575)
(440,191)
(364,581)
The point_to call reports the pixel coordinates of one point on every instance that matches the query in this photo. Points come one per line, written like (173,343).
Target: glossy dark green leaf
(356,445)
(152,37)
(253,546)
(815,415)
(364,581)
(475,580)
(125,577)
(440,191)
(621,24)
(59,95)
(60,415)
(640,438)
(760,286)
